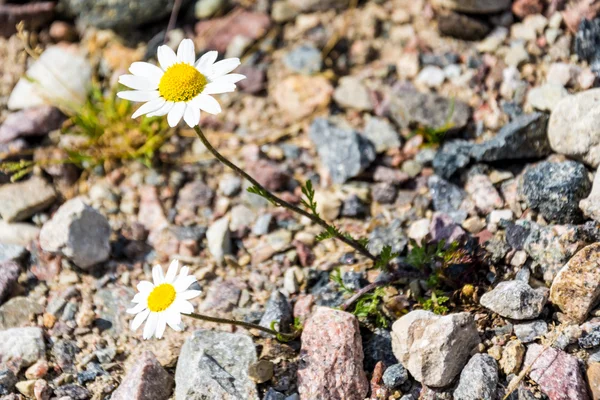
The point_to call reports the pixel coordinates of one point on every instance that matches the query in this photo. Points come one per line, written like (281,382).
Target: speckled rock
(332,357)
(79,232)
(516,300)
(434,348)
(146,380)
(576,287)
(478,379)
(24,345)
(214,365)
(557,373)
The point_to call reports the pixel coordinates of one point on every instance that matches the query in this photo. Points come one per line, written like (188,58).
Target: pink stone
(147,380)
(332,356)
(557,373)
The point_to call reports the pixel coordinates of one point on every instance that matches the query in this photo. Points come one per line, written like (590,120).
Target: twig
(172,19)
(279,335)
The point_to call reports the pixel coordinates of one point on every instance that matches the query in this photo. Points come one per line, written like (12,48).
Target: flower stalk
(282,203)
(284,337)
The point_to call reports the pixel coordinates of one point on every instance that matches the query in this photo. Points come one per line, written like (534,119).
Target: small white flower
(163,302)
(181,86)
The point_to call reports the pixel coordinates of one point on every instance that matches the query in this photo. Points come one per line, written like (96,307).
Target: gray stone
(79,232)
(431,76)
(352,93)
(546,97)
(64,352)
(555,189)
(261,226)
(452,157)
(7,382)
(214,366)
(36,121)
(60,77)
(21,345)
(530,331)
(219,239)
(474,6)
(146,380)
(9,273)
(516,300)
(434,348)
(382,134)
(392,235)
(344,152)
(395,376)
(116,14)
(111,304)
(241,217)
(19,201)
(230,185)
(18,312)
(305,59)
(587,42)
(447,197)
(277,310)
(73,392)
(429,110)
(478,379)
(573,129)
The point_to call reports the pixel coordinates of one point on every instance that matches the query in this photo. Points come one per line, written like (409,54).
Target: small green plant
(385,257)
(421,256)
(435,136)
(435,303)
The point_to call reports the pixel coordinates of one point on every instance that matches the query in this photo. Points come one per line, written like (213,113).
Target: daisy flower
(161,303)
(181,86)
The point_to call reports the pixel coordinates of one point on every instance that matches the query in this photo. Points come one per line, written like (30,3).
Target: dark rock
(269,174)
(273,394)
(214,366)
(277,310)
(7,382)
(35,121)
(555,189)
(516,235)
(452,157)
(377,347)
(395,376)
(34,15)
(192,196)
(447,197)
(478,379)
(587,42)
(462,26)
(74,392)
(392,235)
(353,207)
(590,340)
(119,14)
(9,273)
(384,193)
(443,227)
(305,59)
(344,152)
(408,108)
(146,380)
(93,370)
(64,352)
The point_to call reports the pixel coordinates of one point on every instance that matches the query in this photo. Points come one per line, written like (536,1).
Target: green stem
(280,202)
(280,335)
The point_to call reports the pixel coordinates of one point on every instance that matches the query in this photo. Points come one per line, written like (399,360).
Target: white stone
(546,97)
(431,76)
(219,239)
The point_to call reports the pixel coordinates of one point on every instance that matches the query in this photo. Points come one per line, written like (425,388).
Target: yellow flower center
(161,297)
(181,82)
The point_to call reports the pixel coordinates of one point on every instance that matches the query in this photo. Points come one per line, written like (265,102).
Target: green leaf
(336,276)
(309,192)
(262,193)
(385,257)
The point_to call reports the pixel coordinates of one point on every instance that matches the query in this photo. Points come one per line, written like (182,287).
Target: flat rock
(79,232)
(434,348)
(546,97)
(19,201)
(20,234)
(516,300)
(474,6)
(352,93)
(573,129)
(428,110)
(576,288)
(35,121)
(529,331)
(554,189)
(344,152)
(18,312)
(278,310)
(478,379)
(557,373)
(24,346)
(146,380)
(214,366)
(60,77)
(332,356)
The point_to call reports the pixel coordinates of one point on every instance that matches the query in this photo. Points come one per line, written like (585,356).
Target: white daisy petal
(139,320)
(137,82)
(207,103)
(182,283)
(166,57)
(172,271)
(150,327)
(138,95)
(139,297)
(157,275)
(218,87)
(174,319)
(206,62)
(164,110)
(175,114)
(161,325)
(223,67)
(189,294)
(184,306)
(186,52)
(138,308)
(145,286)
(191,115)
(184,271)
(149,107)
(231,78)
(146,70)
